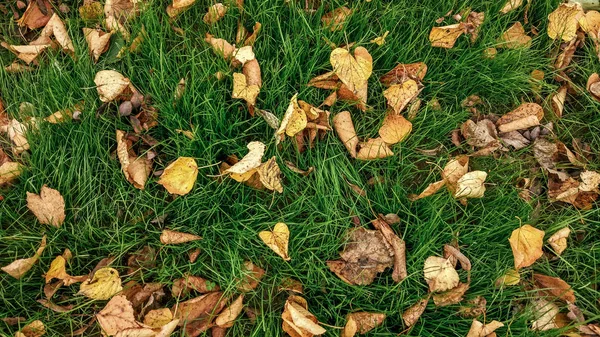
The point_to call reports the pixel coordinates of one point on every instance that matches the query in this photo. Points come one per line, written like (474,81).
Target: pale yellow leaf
(558,240)
(445,37)
(374,148)
(18,268)
(105,284)
(270,175)
(180,176)
(158,317)
(394,129)
(110,84)
(170,237)
(353,71)
(399,95)
(242,90)
(229,314)
(10,171)
(515,37)
(526,243)
(277,239)
(48,207)
(250,161)
(563,23)
(471,185)
(294,120)
(440,274)
(97,41)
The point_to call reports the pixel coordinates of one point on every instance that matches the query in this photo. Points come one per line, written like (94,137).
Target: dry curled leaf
(243,90)
(35,16)
(554,286)
(558,240)
(98,42)
(382,223)
(342,123)
(481,134)
(526,243)
(558,101)
(253,274)
(451,296)
(27,53)
(270,175)
(215,13)
(440,274)
(294,120)
(251,160)
(136,169)
(404,72)
(399,95)
(593,86)
(479,329)
(117,316)
(170,237)
(445,37)
(56,28)
(19,267)
(202,308)
(544,313)
(335,19)
(180,176)
(48,207)
(220,46)
(412,314)
(563,23)
(277,239)
(374,148)
(229,314)
(362,322)
(103,285)
(471,185)
(298,321)
(515,37)
(58,271)
(524,116)
(182,286)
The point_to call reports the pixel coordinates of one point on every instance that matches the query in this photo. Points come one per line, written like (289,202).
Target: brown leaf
(33,329)
(558,101)
(182,286)
(481,134)
(136,169)
(478,329)
(56,28)
(474,308)
(170,237)
(412,314)
(290,284)
(431,189)
(445,37)
(215,13)
(251,70)
(558,240)
(335,19)
(34,17)
(554,286)
(117,316)
(144,258)
(514,139)
(451,251)
(48,207)
(297,320)
(55,307)
(19,267)
(253,274)
(523,117)
(193,254)
(228,316)
(593,86)
(403,72)
(451,296)
(526,243)
(515,37)
(362,322)
(342,123)
(374,148)
(199,308)
(398,246)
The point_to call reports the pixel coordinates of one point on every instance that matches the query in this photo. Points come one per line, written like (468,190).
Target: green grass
(107,216)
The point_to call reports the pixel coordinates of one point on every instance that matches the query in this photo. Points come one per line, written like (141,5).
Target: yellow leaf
(564,21)
(297,320)
(399,95)
(26,53)
(48,207)
(394,129)
(511,5)
(269,174)
(158,317)
(179,177)
(445,37)
(454,170)
(515,37)
(104,285)
(250,161)
(294,120)
(277,239)
(526,243)
(9,171)
(229,314)
(558,240)
(169,237)
(374,148)
(431,189)
(353,71)
(478,329)
(510,278)
(590,23)
(110,84)
(380,40)
(242,90)
(18,268)
(440,274)
(336,18)
(471,185)
(33,329)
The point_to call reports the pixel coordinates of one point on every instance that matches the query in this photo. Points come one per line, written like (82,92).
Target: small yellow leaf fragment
(526,243)
(445,37)
(277,239)
(380,40)
(180,176)
(510,278)
(242,90)
(105,284)
(558,240)
(511,5)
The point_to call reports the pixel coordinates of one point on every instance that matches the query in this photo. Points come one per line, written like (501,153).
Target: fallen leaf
(182,286)
(558,101)
(511,5)
(431,189)
(48,207)
(243,55)
(158,317)
(524,116)
(451,296)
(515,37)
(563,23)
(335,19)
(277,239)
(297,320)
(342,123)
(33,329)
(294,120)
(454,170)
(473,24)
(510,278)
(58,271)
(215,13)
(220,46)
(251,70)
(269,174)
(394,129)
(20,267)
(514,139)
(593,86)
(55,307)
(471,185)
(474,308)
(526,243)
(180,176)
(398,245)
(110,84)
(374,148)
(97,40)
(34,17)
(412,314)
(544,313)
(104,284)
(9,172)
(136,169)
(478,329)
(440,274)
(28,53)
(399,95)
(445,37)
(251,160)
(243,90)
(404,72)
(558,240)
(554,286)
(229,314)
(380,40)
(290,284)
(362,322)
(56,28)
(253,274)
(117,316)
(353,71)
(199,308)
(481,134)
(170,237)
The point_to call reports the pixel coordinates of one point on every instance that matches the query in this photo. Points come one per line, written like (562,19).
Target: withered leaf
(524,116)
(298,321)
(374,148)
(554,286)
(110,84)
(215,13)
(342,123)
(335,19)
(403,72)
(182,286)
(394,129)
(117,316)
(243,90)
(563,23)
(399,95)
(511,5)
(199,307)
(451,296)
(103,285)
(353,71)
(515,37)
(229,314)
(479,329)
(545,315)
(48,207)
(440,274)
(33,329)
(445,37)
(362,322)
(170,237)
(526,243)
(558,240)
(253,274)
(277,239)
(97,40)
(19,267)
(412,314)
(34,16)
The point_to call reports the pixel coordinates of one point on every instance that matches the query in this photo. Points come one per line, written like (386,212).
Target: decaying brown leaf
(412,314)
(335,19)
(563,23)
(361,322)
(253,274)
(180,176)
(200,309)
(182,286)
(558,240)
(554,286)
(215,13)
(452,296)
(136,169)
(403,72)
(342,123)
(33,329)
(382,223)
(297,320)
(558,101)
(19,267)
(117,316)
(170,237)
(515,37)
(277,239)
(399,95)
(35,16)
(526,243)
(445,37)
(524,116)
(474,308)
(48,207)
(103,285)
(229,314)
(479,329)
(481,134)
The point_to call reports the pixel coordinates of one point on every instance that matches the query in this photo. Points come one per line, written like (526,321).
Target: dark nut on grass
(125,108)
(136,100)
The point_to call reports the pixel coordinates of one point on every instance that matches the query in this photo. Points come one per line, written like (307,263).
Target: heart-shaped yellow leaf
(105,284)
(399,95)
(563,23)
(353,71)
(277,239)
(242,90)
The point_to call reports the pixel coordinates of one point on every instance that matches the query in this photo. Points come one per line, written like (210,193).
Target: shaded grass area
(107,216)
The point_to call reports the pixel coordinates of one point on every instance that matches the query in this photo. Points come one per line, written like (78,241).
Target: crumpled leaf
(404,72)
(374,148)
(342,123)
(511,5)
(554,286)
(201,308)
(382,223)
(55,27)
(558,240)
(380,40)
(412,314)
(48,207)
(229,314)
(97,40)
(524,116)
(117,316)
(169,237)
(277,239)
(471,185)
(478,329)
(451,296)
(514,139)
(353,71)
(481,134)
(526,243)
(220,46)
(394,129)
(243,90)
(440,274)
(243,55)
(294,120)
(28,53)
(215,13)
(104,284)
(563,23)
(297,320)
(20,267)
(58,270)
(17,133)
(251,160)
(510,278)
(581,194)
(253,274)
(593,86)
(158,317)
(136,169)
(33,329)
(558,101)
(544,313)
(335,19)
(34,17)
(515,37)
(270,175)
(446,36)
(180,176)
(366,254)
(110,84)
(454,170)
(362,322)
(399,95)
(182,286)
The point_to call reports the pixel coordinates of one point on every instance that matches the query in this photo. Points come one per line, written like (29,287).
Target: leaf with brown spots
(362,322)
(170,237)
(48,207)
(445,37)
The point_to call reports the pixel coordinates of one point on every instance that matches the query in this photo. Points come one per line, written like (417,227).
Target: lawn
(107,216)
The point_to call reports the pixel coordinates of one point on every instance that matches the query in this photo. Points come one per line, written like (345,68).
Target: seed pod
(125,108)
